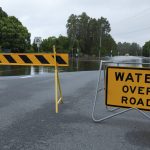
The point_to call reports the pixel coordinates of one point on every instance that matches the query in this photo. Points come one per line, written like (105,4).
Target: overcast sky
(129,19)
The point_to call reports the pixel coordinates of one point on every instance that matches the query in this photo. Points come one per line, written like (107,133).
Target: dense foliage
(133,49)
(13,35)
(146,49)
(61,43)
(90,35)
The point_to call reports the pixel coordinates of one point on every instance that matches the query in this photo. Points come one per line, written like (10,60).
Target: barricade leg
(57,85)
(56,91)
(60,91)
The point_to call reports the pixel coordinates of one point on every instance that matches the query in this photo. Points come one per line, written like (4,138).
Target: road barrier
(39,59)
(124,87)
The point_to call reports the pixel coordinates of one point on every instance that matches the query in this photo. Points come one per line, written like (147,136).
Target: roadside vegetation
(85,36)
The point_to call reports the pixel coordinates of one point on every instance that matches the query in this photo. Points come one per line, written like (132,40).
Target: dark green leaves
(13,35)
(146,49)
(84,33)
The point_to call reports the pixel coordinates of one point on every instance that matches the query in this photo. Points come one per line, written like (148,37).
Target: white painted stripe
(24,77)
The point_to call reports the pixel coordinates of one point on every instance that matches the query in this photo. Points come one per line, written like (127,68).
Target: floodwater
(74,65)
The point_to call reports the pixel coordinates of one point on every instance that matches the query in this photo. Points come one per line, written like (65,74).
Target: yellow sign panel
(38,59)
(128,87)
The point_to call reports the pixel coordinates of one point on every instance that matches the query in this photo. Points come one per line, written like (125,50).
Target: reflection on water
(75,65)
(14,70)
(130,61)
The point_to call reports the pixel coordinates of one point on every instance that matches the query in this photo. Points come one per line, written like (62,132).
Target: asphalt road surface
(28,120)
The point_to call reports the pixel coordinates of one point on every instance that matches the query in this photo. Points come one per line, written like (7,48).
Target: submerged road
(28,120)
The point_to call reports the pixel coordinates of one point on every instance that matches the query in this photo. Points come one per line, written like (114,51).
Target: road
(28,120)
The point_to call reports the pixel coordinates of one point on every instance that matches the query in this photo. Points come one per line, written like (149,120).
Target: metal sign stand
(57,84)
(100,89)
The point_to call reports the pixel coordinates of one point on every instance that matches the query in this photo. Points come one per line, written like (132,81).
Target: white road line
(24,77)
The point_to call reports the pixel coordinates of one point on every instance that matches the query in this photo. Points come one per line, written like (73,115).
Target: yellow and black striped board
(34,59)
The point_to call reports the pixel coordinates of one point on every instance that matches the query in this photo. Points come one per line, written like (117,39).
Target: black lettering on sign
(140,102)
(129,77)
(132,100)
(138,76)
(9,59)
(59,60)
(25,59)
(147,78)
(41,59)
(124,99)
(148,102)
(148,91)
(119,76)
(132,89)
(125,89)
(140,90)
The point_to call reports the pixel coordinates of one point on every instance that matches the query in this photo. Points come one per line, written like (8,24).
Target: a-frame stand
(104,64)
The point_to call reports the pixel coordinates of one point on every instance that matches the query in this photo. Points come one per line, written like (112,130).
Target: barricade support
(58,91)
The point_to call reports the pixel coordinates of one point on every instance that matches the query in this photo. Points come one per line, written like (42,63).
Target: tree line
(125,48)
(85,35)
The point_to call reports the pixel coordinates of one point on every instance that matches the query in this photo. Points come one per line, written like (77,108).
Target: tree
(109,46)
(146,49)
(72,28)
(85,32)
(61,43)
(133,49)
(47,44)
(13,35)
(2,13)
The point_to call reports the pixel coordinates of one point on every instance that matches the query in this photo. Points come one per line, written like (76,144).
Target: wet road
(28,120)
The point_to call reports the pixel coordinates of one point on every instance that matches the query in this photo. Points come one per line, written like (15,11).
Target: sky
(129,19)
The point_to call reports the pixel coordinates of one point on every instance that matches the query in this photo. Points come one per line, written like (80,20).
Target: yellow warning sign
(36,59)
(128,87)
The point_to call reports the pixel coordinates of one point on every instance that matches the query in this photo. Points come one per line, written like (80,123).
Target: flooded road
(74,65)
